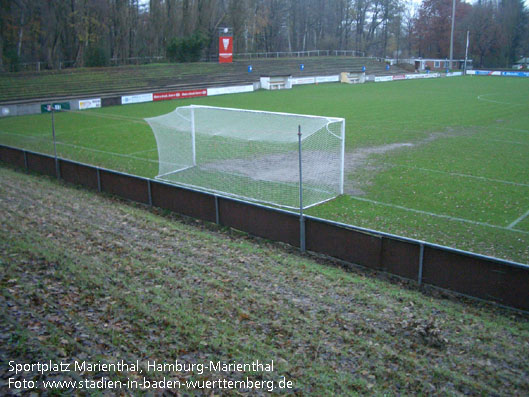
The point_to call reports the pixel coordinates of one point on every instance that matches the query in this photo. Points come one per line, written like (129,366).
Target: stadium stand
(38,86)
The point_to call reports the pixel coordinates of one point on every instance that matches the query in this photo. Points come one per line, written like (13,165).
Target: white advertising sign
(328,79)
(303,80)
(230,90)
(422,76)
(379,79)
(89,103)
(127,99)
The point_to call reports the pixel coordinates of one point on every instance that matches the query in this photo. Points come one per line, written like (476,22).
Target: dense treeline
(92,32)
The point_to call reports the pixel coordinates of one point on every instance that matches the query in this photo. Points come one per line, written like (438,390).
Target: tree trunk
(186,17)
(20,34)
(1,53)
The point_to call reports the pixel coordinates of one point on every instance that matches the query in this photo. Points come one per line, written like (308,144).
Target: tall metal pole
(452,33)
(466,53)
(301,217)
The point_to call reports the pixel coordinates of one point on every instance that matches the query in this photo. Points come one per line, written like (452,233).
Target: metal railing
(38,66)
(298,54)
(137,60)
(43,65)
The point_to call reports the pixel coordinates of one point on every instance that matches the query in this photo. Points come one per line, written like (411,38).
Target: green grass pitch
(442,160)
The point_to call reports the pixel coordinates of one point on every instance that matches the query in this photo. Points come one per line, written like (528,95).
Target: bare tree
(71,30)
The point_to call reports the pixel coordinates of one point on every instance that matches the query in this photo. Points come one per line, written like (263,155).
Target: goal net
(251,155)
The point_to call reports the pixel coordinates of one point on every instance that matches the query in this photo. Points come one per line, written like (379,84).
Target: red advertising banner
(164,96)
(225,49)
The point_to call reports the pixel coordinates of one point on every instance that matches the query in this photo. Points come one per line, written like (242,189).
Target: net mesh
(251,155)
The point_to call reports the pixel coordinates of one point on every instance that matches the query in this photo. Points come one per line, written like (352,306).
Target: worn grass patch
(87,277)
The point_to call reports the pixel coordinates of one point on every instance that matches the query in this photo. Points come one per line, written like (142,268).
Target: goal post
(193,139)
(251,154)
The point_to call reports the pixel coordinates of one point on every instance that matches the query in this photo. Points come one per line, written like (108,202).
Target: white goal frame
(190,115)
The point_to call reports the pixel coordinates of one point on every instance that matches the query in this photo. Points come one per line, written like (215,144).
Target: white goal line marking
(108,116)
(481,98)
(117,123)
(49,141)
(107,152)
(521,218)
(143,151)
(41,136)
(451,218)
(483,178)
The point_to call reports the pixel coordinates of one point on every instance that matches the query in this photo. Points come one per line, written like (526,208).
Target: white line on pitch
(118,123)
(484,178)
(106,152)
(480,98)
(80,147)
(142,151)
(109,116)
(501,140)
(495,140)
(512,129)
(521,218)
(451,218)
(38,137)
(114,153)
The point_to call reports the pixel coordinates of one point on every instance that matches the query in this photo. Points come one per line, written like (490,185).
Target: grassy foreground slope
(87,277)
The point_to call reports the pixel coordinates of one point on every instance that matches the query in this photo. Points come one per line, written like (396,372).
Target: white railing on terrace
(39,66)
(298,54)
(136,60)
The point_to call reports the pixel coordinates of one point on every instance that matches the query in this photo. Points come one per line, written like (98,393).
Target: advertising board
(89,103)
(138,98)
(165,96)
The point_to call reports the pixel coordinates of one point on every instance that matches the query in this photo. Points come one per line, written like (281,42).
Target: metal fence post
(98,173)
(421,260)
(217,213)
(149,191)
(57,169)
(301,217)
(26,161)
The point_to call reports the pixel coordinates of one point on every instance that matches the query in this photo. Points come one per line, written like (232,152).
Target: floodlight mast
(466,52)
(452,33)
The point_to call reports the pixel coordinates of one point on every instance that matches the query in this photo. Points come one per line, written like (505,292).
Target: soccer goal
(251,155)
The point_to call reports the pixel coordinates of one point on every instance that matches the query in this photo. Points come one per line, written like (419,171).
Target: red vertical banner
(225,49)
